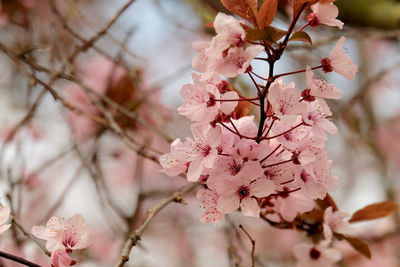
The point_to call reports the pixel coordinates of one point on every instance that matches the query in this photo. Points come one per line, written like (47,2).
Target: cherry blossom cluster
(275,168)
(63,237)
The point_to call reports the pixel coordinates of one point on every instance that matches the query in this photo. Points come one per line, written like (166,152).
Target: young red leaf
(247,9)
(358,245)
(301,37)
(375,211)
(267,13)
(327,202)
(269,34)
(297,4)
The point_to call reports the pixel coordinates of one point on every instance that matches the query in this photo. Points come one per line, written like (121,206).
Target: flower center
(326,65)
(243,191)
(211,101)
(313,20)
(204,150)
(315,254)
(306,95)
(235,169)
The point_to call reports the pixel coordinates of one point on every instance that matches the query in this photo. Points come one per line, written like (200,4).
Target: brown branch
(135,237)
(29,235)
(253,244)
(18,259)
(89,43)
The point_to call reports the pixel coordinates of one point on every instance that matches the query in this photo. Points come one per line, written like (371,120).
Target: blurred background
(58,155)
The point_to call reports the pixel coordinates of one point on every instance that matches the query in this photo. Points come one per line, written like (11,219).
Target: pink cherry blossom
(225,54)
(339,62)
(290,204)
(60,258)
(229,33)
(324,14)
(309,255)
(209,199)
(333,222)
(201,99)
(319,88)
(201,150)
(317,117)
(4,214)
(240,191)
(243,160)
(68,235)
(172,166)
(199,62)
(235,61)
(285,101)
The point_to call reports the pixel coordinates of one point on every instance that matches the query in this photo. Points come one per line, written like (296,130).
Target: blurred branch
(18,259)
(89,43)
(29,235)
(135,237)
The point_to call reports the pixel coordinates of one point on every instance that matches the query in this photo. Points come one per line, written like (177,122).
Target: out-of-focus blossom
(333,222)
(68,235)
(309,255)
(60,258)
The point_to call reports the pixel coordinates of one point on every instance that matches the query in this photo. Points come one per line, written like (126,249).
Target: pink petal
(227,203)
(262,188)
(228,106)
(42,232)
(250,207)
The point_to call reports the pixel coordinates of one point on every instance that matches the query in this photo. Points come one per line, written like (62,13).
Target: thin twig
(253,244)
(135,237)
(18,259)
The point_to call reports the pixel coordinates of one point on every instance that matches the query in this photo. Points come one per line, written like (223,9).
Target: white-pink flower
(235,60)
(225,54)
(4,214)
(319,88)
(333,222)
(201,99)
(242,191)
(317,117)
(172,166)
(209,199)
(324,14)
(229,33)
(201,150)
(288,205)
(339,62)
(309,255)
(68,235)
(285,101)
(60,258)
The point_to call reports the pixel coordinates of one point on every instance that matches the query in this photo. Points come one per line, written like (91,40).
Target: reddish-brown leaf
(247,9)
(327,202)
(315,215)
(298,4)
(269,34)
(358,245)
(375,211)
(301,37)
(267,12)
